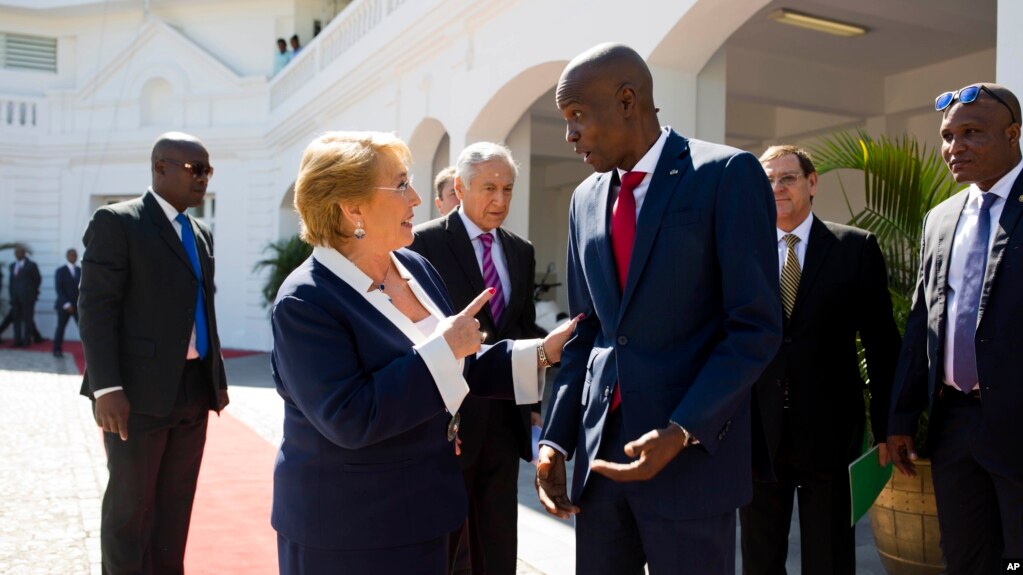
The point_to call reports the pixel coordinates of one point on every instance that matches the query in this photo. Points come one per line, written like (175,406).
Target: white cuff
(445,369)
(67,305)
(557,447)
(527,378)
(101,392)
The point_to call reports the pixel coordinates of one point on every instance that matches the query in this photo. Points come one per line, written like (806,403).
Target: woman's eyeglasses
(198,169)
(968,95)
(402,188)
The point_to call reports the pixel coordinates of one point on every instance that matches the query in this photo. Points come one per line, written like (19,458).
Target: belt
(954,396)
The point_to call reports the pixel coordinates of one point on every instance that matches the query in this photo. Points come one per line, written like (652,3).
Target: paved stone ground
(53,471)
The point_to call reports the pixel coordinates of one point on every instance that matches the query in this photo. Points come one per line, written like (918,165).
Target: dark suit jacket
(843,291)
(365,462)
(137,302)
(25,286)
(446,244)
(999,338)
(66,285)
(699,320)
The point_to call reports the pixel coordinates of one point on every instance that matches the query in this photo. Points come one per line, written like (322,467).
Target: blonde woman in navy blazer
(372,361)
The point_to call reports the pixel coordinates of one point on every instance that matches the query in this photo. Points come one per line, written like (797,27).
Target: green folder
(866,480)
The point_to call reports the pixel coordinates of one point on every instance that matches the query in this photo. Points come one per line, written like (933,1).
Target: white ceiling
(903,34)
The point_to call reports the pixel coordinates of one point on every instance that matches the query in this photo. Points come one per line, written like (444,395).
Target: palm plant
(902,181)
(287,254)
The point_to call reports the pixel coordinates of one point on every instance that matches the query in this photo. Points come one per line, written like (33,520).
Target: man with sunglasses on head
(153,363)
(961,355)
(809,402)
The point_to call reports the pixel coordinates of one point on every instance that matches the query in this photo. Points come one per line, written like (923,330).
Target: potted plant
(287,254)
(902,182)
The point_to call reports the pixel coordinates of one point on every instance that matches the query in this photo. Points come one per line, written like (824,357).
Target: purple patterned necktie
(491,279)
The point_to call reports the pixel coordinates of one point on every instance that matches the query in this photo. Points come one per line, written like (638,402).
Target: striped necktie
(491,279)
(790,275)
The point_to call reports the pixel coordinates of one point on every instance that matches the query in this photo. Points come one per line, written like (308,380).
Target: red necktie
(623,235)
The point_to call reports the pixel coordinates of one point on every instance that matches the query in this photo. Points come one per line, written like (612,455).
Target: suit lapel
(462,250)
(516,272)
(821,240)
(603,235)
(1006,227)
(671,171)
(946,231)
(159,219)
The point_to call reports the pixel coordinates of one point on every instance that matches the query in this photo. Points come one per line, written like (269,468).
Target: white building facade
(87,86)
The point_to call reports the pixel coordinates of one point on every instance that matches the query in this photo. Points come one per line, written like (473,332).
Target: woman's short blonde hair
(340,168)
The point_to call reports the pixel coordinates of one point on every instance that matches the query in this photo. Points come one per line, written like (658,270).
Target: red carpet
(230,531)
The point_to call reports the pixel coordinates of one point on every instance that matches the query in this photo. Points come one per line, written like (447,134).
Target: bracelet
(542,354)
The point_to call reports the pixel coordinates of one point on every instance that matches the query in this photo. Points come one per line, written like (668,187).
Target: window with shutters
(24,52)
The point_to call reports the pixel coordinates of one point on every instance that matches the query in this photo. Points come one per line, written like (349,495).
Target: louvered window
(23,52)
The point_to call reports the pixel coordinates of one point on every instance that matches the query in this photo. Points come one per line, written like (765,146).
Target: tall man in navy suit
(66,283)
(671,256)
(154,369)
(961,355)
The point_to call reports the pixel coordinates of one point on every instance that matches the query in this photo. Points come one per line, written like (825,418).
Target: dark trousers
(62,318)
(148,502)
(827,540)
(24,320)
(426,558)
(492,483)
(613,537)
(980,509)
(9,319)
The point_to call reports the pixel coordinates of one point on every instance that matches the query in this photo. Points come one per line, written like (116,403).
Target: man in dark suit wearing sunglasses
(961,354)
(154,368)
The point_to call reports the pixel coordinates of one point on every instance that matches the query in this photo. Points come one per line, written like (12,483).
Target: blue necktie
(188,241)
(964,349)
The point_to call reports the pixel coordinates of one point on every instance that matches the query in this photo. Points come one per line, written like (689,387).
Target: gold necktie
(790,275)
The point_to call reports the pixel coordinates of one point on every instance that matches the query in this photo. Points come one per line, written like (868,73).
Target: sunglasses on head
(968,95)
(198,169)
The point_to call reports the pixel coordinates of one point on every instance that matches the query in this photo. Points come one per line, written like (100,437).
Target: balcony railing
(354,22)
(20,113)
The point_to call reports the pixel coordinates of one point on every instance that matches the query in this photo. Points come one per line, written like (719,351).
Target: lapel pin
(1020,199)
(675,172)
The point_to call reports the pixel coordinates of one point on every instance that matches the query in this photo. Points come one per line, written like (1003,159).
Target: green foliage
(902,182)
(286,255)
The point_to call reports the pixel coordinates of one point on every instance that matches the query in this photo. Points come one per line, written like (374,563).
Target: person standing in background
(471,251)
(25,281)
(65,281)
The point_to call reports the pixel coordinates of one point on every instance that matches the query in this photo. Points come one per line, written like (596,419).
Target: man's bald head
(176,141)
(181,169)
(609,64)
(606,98)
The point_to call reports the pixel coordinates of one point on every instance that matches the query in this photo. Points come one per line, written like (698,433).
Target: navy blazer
(920,373)
(66,285)
(699,320)
(365,461)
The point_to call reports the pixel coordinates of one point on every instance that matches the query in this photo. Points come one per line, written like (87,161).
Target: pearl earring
(360,232)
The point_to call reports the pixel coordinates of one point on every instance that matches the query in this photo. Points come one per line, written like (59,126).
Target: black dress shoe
(57,353)
(20,344)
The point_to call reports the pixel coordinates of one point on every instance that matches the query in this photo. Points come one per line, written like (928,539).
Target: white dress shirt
(648,163)
(71,268)
(527,378)
(802,231)
(496,253)
(957,261)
